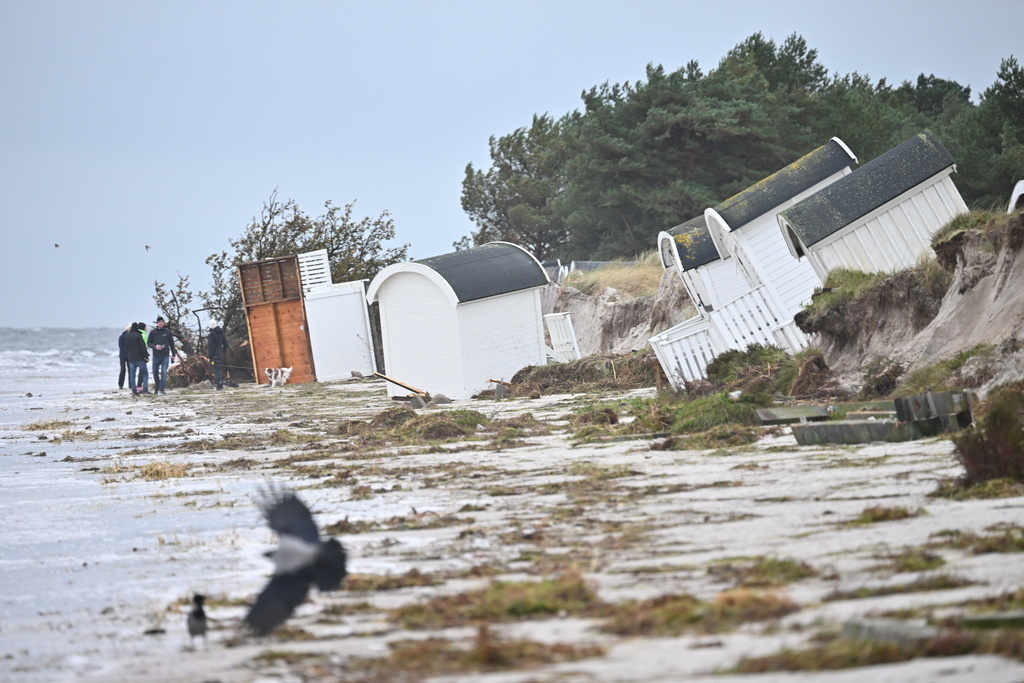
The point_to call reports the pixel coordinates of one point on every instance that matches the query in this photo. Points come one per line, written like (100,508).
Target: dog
(278,376)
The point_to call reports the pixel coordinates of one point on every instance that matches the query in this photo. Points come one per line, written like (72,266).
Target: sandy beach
(117,510)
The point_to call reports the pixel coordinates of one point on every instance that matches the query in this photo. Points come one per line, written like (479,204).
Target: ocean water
(51,361)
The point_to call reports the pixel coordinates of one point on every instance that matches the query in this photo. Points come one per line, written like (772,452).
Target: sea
(50,361)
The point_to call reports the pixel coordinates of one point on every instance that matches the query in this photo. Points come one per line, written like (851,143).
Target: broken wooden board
(784,415)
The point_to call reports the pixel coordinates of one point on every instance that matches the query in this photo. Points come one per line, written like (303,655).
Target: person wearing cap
(161,340)
(218,344)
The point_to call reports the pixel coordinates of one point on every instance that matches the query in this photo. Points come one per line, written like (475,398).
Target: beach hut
(738,270)
(709,279)
(881,217)
(451,323)
(299,319)
(745,225)
(278,337)
(1016,198)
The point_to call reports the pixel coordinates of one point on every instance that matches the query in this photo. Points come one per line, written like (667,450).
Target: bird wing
(286,514)
(277,602)
(329,570)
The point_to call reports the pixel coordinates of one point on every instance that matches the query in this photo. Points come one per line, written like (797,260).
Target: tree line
(601,182)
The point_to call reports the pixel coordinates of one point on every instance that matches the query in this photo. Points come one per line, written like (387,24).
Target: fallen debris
(917,417)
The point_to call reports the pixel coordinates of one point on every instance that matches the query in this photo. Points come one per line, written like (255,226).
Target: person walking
(161,340)
(218,344)
(135,350)
(143,377)
(122,356)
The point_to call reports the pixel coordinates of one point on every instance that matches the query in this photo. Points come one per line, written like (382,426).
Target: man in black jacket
(162,342)
(122,356)
(218,344)
(135,350)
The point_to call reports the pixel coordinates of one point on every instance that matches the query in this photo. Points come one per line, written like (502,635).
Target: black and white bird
(300,560)
(197,620)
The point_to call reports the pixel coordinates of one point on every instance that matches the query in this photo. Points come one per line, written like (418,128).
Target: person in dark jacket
(161,340)
(218,345)
(143,382)
(135,350)
(122,356)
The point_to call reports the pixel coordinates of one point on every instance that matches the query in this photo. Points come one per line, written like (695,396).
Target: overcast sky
(125,124)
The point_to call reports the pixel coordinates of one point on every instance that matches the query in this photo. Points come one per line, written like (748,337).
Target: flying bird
(197,620)
(56,246)
(147,247)
(300,560)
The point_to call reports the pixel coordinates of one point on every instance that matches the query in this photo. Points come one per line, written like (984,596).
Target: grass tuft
(636,278)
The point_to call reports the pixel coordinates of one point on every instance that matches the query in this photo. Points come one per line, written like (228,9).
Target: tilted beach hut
(881,217)
(278,333)
(451,323)
(738,270)
(745,225)
(709,279)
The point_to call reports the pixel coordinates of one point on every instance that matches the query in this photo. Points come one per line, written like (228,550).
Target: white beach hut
(738,271)
(1016,198)
(709,279)
(881,217)
(745,226)
(451,323)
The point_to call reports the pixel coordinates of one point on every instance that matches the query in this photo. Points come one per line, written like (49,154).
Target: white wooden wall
(685,350)
(894,236)
(500,336)
(723,280)
(420,333)
(762,245)
(339,331)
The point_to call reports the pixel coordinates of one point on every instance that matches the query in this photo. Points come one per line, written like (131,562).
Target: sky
(126,125)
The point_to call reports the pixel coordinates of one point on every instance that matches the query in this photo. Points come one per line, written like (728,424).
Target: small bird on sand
(301,559)
(197,621)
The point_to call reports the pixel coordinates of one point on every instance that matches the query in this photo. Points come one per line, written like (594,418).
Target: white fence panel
(746,320)
(563,337)
(791,338)
(314,270)
(685,350)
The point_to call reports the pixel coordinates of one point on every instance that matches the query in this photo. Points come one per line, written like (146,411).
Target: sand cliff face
(612,323)
(902,322)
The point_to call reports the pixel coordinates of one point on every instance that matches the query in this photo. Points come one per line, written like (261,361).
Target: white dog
(278,376)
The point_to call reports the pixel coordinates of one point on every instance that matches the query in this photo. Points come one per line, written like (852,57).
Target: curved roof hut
(451,323)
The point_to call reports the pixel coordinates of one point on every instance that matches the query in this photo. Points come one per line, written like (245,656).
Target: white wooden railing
(685,350)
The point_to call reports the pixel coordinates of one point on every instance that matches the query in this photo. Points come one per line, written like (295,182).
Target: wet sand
(93,555)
